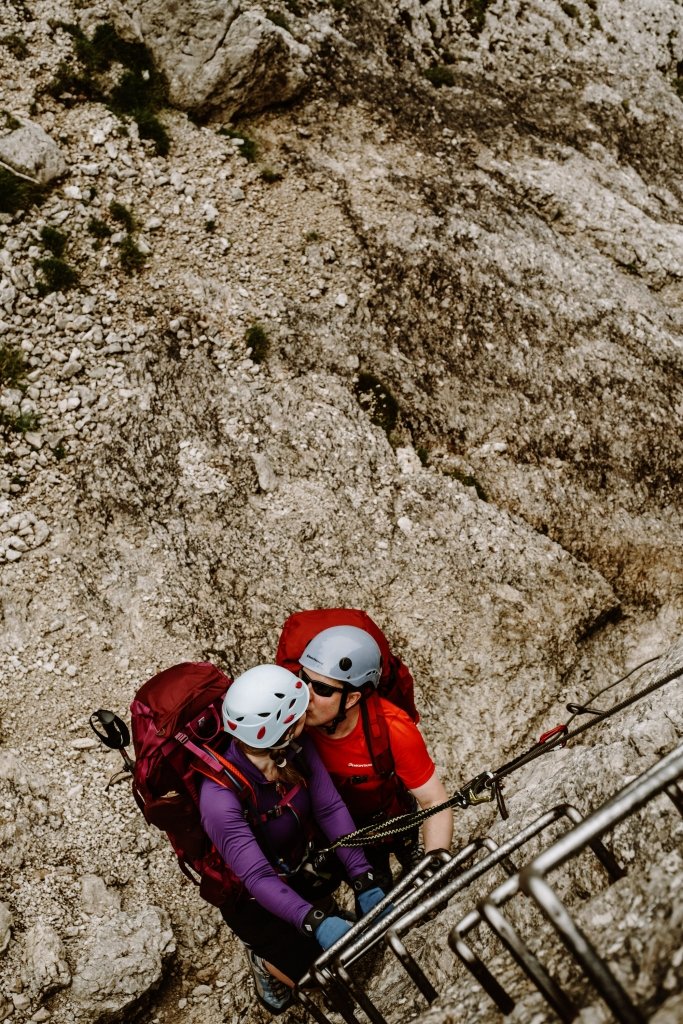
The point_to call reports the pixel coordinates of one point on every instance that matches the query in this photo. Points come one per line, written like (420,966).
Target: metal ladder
(429,886)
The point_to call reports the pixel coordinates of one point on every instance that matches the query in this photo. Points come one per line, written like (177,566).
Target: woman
(281,917)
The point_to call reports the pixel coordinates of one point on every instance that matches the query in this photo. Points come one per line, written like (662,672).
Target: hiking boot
(273,994)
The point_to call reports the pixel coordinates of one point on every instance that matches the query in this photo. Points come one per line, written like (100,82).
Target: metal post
(498,856)
(582,951)
(474,965)
(530,964)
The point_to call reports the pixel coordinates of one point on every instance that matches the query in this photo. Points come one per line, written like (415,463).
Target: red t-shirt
(350,756)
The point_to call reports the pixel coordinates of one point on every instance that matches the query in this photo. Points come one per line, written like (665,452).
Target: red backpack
(396,685)
(174,716)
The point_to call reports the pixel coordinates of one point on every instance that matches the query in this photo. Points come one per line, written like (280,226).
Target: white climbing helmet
(346,653)
(263,704)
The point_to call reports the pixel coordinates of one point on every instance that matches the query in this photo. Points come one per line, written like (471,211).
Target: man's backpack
(174,717)
(396,685)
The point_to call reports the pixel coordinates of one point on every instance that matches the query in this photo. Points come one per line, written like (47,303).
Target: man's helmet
(263,704)
(346,653)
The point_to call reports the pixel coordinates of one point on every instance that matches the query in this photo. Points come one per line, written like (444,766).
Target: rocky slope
(409,340)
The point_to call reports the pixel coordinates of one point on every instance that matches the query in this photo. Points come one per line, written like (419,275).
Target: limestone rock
(46,959)
(5,926)
(97,898)
(214,55)
(120,961)
(27,149)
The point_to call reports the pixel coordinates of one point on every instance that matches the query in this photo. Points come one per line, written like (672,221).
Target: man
(372,749)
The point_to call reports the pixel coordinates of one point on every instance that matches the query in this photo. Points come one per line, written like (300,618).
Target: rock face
(28,150)
(412,343)
(218,56)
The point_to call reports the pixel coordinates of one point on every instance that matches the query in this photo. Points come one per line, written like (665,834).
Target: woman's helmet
(346,653)
(263,704)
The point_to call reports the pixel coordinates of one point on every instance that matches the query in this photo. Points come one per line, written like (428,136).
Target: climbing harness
(487,786)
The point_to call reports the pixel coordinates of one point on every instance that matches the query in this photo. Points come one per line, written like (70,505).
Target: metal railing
(531,880)
(428,888)
(423,892)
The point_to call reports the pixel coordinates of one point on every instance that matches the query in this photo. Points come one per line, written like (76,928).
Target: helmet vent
(345,664)
(264,714)
(281,696)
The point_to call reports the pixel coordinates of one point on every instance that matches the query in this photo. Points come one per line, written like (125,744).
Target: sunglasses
(319,688)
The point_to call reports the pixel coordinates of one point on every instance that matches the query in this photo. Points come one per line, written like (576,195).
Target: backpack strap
(216,767)
(377,735)
(282,805)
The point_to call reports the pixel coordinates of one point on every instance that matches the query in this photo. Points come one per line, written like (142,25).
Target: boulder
(215,56)
(120,960)
(5,926)
(46,959)
(96,897)
(29,151)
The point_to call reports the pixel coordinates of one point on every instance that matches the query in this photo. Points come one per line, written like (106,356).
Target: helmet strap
(331,727)
(279,754)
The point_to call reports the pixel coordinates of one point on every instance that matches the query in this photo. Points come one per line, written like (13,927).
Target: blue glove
(369,899)
(330,930)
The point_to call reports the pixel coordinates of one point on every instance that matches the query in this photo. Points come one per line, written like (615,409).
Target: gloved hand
(330,930)
(369,899)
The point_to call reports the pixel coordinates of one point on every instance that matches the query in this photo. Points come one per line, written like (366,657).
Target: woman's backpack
(174,718)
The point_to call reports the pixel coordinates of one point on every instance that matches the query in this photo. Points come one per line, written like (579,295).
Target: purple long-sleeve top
(284,837)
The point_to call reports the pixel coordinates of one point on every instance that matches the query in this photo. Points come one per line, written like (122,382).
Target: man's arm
(437,831)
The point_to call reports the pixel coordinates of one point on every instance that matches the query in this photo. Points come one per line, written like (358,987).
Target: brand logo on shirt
(352,764)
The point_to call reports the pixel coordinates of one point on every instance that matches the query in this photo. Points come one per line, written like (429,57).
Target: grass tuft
(99,228)
(122,214)
(12,365)
(20,424)
(8,121)
(17,193)
(53,239)
(58,275)
(276,18)
(440,75)
(16,44)
(475,14)
(139,92)
(248,149)
(132,258)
